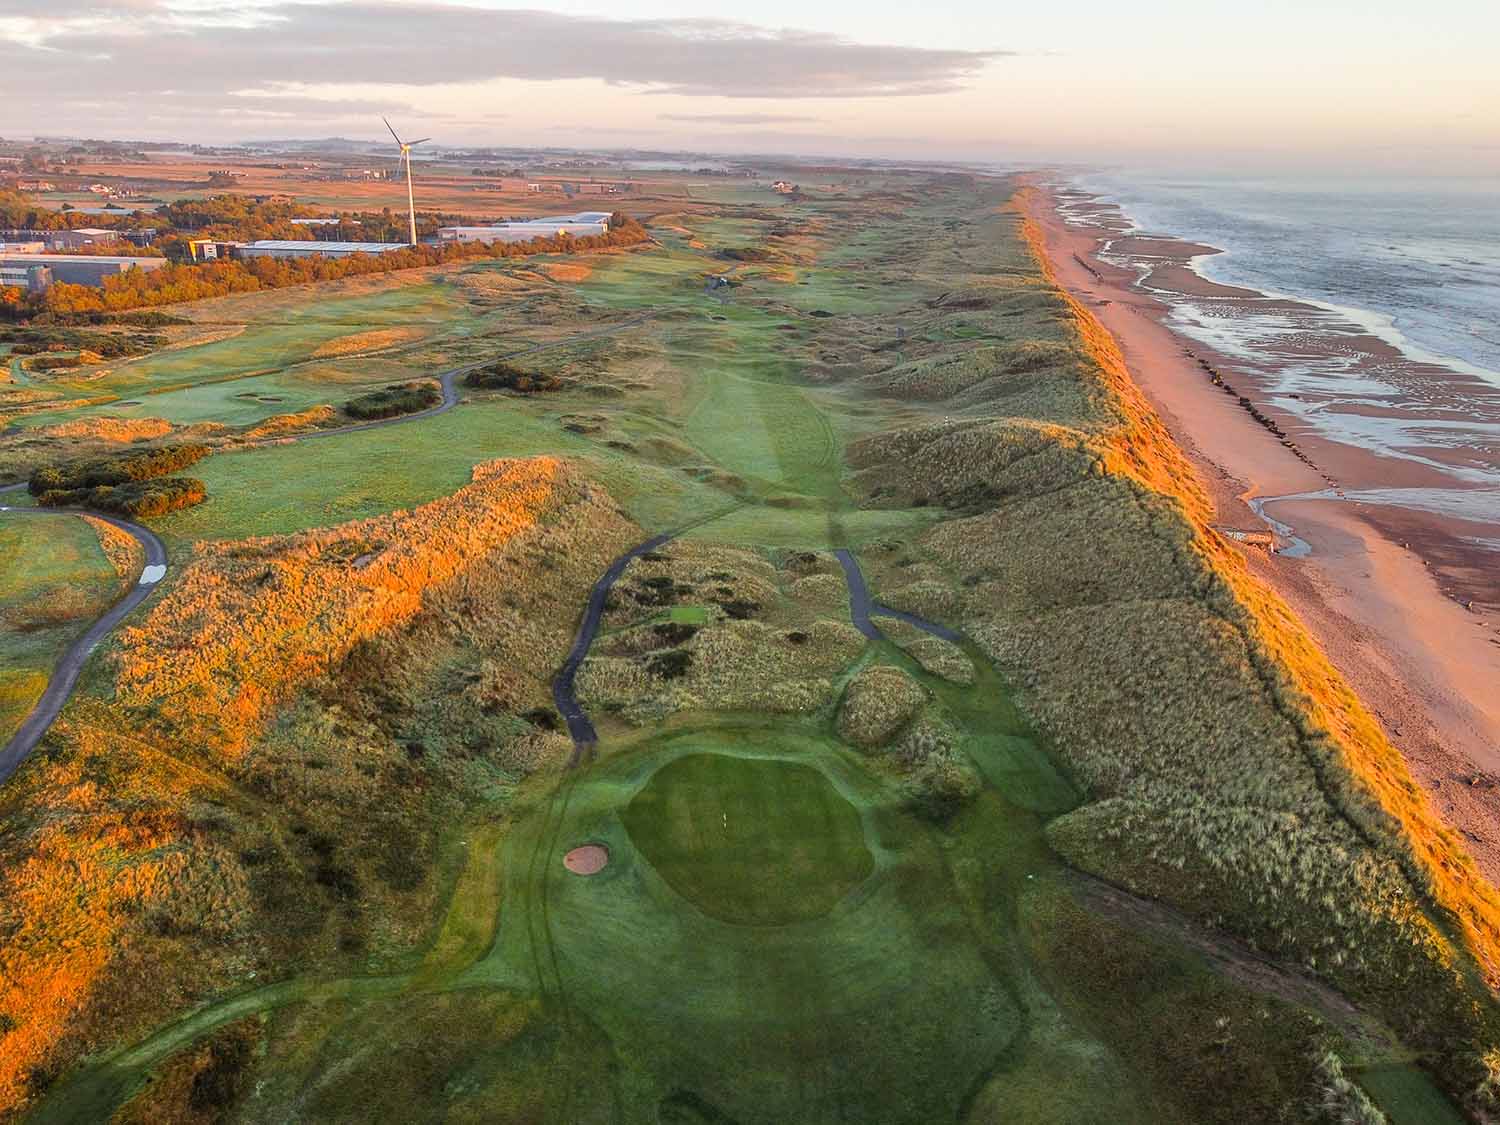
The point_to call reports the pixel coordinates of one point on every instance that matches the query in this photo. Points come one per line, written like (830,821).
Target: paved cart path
(65,675)
(564,684)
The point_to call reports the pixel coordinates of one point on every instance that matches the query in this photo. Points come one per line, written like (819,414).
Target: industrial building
(281,248)
(582,225)
(22,247)
(75,269)
(83,236)
(33,279)
(209,249)
(62,239)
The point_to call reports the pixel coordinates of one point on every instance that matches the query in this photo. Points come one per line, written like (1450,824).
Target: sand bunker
(588,859)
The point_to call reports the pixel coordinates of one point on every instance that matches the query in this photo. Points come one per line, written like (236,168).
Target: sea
(1416,261)
(1413,262)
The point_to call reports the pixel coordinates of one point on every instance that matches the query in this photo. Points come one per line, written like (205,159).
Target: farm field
(932,768)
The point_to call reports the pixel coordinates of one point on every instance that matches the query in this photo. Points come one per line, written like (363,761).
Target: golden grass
(108,429)
(120,548)
(102,858)
(280,424)
(566,271)
(376,339)
(249,622)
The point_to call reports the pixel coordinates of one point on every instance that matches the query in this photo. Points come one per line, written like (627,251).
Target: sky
(1358,86)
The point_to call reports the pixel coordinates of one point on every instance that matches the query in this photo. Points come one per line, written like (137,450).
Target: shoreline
(1385,590)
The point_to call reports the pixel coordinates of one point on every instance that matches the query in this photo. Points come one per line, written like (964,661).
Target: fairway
(757,842)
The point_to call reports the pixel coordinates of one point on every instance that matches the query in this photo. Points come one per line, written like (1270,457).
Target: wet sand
(1404,600)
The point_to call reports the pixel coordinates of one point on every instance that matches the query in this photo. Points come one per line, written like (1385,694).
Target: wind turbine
(411,205)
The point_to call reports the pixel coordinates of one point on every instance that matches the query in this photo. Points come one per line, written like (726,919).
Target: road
(65,675)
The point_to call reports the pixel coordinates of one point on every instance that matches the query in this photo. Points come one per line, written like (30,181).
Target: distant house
(35,185)
(782,187)
(100,189)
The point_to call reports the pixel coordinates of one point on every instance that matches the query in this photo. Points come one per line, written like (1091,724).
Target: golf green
(751,841)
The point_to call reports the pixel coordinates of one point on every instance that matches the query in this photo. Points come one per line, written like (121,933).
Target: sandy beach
(1384,551)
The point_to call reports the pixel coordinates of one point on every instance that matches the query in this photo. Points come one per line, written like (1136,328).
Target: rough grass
(1233,772)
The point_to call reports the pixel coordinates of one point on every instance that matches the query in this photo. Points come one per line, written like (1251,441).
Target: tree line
(175,283)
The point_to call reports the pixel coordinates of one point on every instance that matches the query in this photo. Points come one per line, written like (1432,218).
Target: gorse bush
(503,376)
(139,465)
(395,400)
(137,499)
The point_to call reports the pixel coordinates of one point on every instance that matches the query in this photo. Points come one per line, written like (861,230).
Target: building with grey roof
(77,269)
(284,248)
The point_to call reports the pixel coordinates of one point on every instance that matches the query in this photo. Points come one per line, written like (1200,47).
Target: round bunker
(587,859)
(751,841)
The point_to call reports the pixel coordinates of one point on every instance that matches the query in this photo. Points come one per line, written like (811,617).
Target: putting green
(756,842)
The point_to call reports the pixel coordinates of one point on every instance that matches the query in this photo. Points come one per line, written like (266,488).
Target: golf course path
(563,690)
(65,675)
(564,684)
(862,607)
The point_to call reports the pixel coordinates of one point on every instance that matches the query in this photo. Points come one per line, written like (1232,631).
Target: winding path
(564,684)
(862,607)
(65,675)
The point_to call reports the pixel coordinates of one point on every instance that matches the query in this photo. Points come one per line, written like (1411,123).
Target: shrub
(395,400)
(502,376)
(878,703)
(670,665)
(134,499)
(140,465)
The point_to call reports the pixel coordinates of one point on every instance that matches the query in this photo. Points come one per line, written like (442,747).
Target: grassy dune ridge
(191,830)
(1234,772)
(1363,774)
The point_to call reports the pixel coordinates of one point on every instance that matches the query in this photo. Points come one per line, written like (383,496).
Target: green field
(754,843)
(54,580)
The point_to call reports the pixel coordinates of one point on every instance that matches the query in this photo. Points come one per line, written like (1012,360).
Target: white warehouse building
(285,248)
(585,224)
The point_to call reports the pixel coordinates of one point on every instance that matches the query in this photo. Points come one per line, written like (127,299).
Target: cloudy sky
(1351,84)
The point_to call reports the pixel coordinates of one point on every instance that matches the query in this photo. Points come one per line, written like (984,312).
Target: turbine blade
(393,131)
(424,140)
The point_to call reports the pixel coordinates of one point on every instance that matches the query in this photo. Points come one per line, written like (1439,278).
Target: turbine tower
(411,205)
